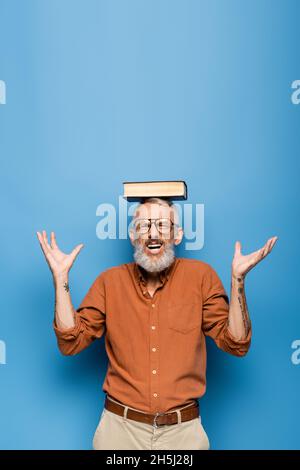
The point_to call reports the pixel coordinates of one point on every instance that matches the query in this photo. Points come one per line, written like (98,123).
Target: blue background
(99,92)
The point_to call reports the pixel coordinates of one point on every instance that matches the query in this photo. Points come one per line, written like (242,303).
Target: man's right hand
(59,263)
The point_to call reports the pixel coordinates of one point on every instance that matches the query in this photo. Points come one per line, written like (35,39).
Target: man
(156,312)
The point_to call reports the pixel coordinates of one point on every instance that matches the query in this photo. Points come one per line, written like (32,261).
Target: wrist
(237,276)
(61,279)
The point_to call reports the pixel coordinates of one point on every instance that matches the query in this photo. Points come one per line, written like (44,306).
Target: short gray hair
(157,200)
(162,202)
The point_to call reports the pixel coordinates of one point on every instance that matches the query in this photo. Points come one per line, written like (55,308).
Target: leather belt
(157,419)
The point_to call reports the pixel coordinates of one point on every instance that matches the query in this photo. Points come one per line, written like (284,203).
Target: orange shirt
(155,345)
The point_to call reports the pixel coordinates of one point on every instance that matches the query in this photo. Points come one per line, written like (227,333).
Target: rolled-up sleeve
(215,316)
(89,321)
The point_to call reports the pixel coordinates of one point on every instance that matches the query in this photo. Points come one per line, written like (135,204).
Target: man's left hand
(241,264)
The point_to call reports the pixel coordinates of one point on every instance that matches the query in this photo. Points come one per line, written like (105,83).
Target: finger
(261,253)
(257,252)
(53,241)
(46,240)
(256,255)
(76,251)
(274,240)
(268,246)
(271,243)
(46,252)
(265,249)
(42,243)
(238,248)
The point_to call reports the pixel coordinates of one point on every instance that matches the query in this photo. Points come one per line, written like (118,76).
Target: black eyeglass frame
(155,222)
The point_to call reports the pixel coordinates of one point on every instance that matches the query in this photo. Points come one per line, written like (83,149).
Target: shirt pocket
(184,317)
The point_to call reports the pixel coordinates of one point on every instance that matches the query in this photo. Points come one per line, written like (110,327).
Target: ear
(179,236)
(132,236)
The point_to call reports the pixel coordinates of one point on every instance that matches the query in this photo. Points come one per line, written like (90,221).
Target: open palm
(60,263)
(241,264)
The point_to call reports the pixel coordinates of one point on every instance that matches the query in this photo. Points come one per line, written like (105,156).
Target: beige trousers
(116,432)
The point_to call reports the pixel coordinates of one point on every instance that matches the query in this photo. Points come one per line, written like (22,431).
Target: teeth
(154,246)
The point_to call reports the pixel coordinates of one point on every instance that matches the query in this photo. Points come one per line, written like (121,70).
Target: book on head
(138,190)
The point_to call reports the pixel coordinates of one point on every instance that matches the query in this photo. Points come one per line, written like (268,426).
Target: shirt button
(155,395)
(153,327)
(153,349)
(154,371)
(153,305)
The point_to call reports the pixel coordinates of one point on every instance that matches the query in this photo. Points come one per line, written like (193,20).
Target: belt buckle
(155,418)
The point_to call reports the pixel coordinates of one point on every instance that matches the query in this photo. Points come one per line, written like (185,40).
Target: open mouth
(154,246)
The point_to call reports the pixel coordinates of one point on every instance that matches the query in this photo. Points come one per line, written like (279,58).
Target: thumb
(76,251)
(238,248)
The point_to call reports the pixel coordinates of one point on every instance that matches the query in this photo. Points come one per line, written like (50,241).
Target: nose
(153,232)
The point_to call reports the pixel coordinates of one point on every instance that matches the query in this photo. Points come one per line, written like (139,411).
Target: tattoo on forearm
(239,279)
(242,304)
(245,317)
(66,287)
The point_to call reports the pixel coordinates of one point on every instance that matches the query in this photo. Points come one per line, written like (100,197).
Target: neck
(152,278)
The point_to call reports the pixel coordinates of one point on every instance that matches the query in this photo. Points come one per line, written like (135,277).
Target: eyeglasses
(162,225)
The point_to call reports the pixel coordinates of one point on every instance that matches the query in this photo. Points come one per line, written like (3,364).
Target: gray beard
(153,264)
